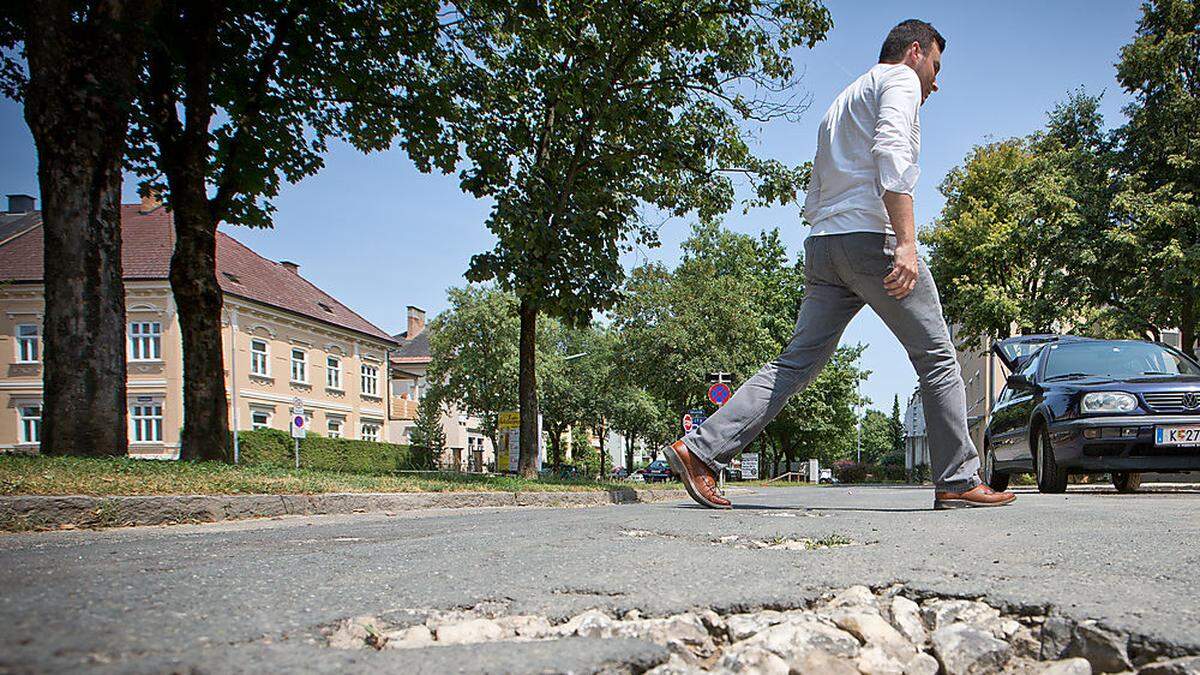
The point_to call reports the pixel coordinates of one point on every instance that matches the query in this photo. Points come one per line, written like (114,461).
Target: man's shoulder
(894,73)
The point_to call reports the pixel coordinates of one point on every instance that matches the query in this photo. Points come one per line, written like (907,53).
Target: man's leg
(918,323)
(826,310)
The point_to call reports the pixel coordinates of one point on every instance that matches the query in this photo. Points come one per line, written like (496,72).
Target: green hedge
(272,447)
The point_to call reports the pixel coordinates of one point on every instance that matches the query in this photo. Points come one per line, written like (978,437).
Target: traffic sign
(298,429)
(719,393)
(687,423)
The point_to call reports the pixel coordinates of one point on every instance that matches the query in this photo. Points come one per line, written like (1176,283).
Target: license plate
(1177,435)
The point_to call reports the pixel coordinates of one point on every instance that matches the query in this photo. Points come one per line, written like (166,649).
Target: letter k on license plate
(1177,435)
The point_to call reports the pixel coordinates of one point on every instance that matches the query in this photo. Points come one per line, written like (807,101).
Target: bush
(272,447)
(847,471)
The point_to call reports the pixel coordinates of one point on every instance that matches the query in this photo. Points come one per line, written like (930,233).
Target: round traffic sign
(298,420)
(687,423)
(719,393)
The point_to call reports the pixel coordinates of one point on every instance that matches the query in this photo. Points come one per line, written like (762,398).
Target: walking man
(862,251)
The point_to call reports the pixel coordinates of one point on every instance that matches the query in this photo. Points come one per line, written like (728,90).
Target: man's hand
(903,277)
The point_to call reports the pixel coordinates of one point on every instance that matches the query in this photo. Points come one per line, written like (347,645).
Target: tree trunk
(556,446)
(528,390)
(82,75)
(629,442)
(198,296)
(600,471)
(1187,322)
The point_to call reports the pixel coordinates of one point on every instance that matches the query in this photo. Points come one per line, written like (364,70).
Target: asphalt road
(252,596)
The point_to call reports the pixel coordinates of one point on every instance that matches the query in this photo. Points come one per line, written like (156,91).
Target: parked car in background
(1076,405)
(657,471)
(618,473)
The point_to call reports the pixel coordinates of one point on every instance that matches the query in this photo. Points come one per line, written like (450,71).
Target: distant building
(916,442)
(283,339)
(468,448)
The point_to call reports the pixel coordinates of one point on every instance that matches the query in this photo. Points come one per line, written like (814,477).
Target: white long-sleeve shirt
(868,142)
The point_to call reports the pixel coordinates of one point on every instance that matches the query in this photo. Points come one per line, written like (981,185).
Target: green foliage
(428,438)
(274,448)
(583,456)
(876,436)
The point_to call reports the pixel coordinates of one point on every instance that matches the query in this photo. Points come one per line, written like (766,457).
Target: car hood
(1132,384)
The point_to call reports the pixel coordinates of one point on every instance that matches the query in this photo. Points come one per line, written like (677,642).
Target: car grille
(1173,402)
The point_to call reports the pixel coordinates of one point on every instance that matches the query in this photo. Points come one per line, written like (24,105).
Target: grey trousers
(843,272)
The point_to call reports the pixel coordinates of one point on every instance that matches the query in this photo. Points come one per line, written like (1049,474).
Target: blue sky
(379,235)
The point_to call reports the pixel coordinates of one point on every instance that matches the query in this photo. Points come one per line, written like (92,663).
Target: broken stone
(1056,638)
(712,621)
(964,649)
(1025,645)
(526,626)
(869,627)
(588,624)
(353,633)
(854,596)
(631,615)
(1105,650)
(1074,666)
(906,617)
(681,633)
(941,613)
(1005,628)
(752,659)
(741,626)
(922,664)
(792,639)
(876,661)
(469,632)
(675,666)
(1188,665)
(408,638)
(819,661)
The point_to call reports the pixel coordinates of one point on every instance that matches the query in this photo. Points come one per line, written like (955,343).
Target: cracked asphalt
(253,596)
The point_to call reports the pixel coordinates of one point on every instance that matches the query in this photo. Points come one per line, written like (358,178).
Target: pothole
(855,630)
(783,543)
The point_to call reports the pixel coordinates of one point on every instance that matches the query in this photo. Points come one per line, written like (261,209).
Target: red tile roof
(147,240)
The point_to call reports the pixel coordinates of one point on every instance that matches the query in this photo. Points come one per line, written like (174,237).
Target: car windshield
(1114,359)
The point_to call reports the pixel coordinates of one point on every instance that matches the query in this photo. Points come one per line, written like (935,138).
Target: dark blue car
(1075,405)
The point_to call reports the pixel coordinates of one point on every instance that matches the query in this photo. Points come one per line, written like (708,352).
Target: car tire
(997,480)
(1051,478)
(1126,481)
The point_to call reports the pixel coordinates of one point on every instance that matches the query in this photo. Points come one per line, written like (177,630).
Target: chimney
(290,266)
(150,201)
(416,321)
(20,203)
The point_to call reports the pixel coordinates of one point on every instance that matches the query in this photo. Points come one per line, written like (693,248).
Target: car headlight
(1108,402)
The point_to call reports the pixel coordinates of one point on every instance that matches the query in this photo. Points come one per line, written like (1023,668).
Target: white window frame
(334,427)
(260,361)
(333,372)
(254,423)
(303,364)
(369,376)
(145,341)
(376,427)
(30,425)
(146,422)
(29,345)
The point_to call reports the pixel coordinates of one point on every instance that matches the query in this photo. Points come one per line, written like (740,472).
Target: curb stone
(40,512)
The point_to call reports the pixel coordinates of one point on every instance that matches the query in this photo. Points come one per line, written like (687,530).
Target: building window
(31,423)
(335,428)
(333,372)
(145,341)
(370,380)
(370,431)
(260,419)
(258,358)
(146,420)
(299,366)
(27,343)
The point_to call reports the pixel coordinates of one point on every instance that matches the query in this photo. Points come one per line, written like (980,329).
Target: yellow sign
(509,420)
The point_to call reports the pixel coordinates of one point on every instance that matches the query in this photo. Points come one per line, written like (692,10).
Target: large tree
(576,115)
(239,96)
(82,63)
(1155,232)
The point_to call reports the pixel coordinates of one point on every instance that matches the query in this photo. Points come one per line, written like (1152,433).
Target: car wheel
(1126,481)
(997,480)
(1051,478)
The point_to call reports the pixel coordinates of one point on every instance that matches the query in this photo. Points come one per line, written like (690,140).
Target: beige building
(284,339)
(467,447)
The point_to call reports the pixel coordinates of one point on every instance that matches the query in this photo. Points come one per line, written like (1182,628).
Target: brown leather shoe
(980,495)
(699,480)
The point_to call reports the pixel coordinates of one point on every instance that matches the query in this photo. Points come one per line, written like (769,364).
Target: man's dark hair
(904,34)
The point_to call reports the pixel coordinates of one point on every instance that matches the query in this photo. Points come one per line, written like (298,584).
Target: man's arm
(903,277)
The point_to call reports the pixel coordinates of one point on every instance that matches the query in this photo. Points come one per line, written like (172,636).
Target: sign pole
(297,453)
(299,429)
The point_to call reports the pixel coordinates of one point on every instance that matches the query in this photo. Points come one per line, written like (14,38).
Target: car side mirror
(1019,381)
